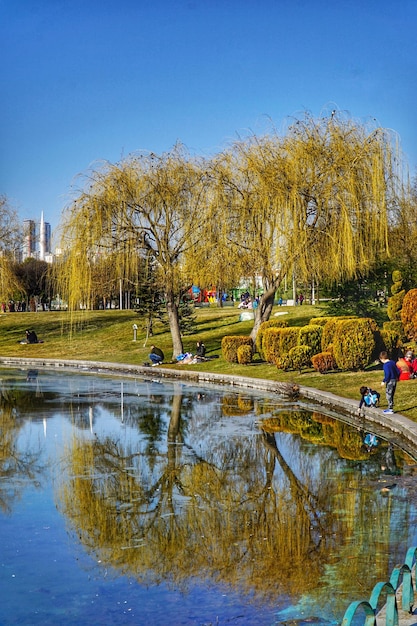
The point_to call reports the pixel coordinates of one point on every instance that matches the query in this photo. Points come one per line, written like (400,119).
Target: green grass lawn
(108,336)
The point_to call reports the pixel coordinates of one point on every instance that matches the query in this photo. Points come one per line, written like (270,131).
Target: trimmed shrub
(330,329)
(408,313)
(391,342)
(230,345)
(395,302)
(271,344)
(278,341)
(397,278)
(297,358)
(320,321)
(323,362)
(289,339)
(262,328)
(310,335)
(355,343)
(397,327)
(244,354)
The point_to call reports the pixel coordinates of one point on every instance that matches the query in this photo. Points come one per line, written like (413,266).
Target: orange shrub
(323,362)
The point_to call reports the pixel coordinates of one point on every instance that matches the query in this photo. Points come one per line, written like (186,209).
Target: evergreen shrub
(259,337)
(320,321)
(323,362)
(244,354)
(297,358)
(289,339)
(408,314)
(355,343)
(330,329)
(271,344)
(391,341)
(397,327)
(395,302)
(278,342)
(230,345)
(310,335)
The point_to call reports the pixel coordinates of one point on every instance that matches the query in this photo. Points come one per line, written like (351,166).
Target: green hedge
(297,358)
(261,331)
(244,354)
(397,327)
(329,330)
(355,343)
(391,342)
(230,345)
(279,341)
(310,335)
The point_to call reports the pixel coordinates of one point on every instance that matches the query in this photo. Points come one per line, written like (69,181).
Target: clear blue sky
(90,80)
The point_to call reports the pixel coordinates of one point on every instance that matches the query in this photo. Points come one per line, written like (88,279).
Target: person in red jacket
(404,367)
(413,363)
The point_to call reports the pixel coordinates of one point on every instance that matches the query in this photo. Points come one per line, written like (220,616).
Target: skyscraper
(44,239)
(29,244)
(37,241)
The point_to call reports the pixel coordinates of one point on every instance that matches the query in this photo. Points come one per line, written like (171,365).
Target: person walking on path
(391,376)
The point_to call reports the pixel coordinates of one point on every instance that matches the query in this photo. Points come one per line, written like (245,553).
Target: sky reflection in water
(145,502)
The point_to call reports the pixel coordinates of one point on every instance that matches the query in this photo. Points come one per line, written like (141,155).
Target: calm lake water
(135,501)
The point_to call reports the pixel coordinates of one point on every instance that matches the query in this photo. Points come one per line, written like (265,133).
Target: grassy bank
(108,336)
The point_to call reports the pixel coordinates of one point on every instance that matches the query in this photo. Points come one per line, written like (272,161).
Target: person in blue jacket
(391,376)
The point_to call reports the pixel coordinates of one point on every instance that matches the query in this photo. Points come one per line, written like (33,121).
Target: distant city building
(29,234)
(37,240)
(44,239)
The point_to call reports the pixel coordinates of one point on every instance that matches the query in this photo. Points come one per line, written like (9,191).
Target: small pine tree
(188,317)
(150,301)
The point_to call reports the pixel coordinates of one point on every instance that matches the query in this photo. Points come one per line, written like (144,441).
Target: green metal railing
(401,575)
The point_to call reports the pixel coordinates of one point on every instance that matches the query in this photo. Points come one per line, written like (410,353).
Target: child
(369,397)
(370,441)
(391,376)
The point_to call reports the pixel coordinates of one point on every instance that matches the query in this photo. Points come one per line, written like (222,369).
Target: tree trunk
(263,311)
(174,325)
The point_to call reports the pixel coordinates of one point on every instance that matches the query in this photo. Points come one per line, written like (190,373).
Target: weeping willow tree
(145,204)
(215,261)
(313,203)
(9,246)
(9,283)
(403,233)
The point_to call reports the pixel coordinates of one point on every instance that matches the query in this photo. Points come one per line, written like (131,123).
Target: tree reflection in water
(175,485)
(19,466)
(214,499)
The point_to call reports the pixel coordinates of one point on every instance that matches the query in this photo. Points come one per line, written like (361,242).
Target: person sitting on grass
(156,355)
(31,337)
